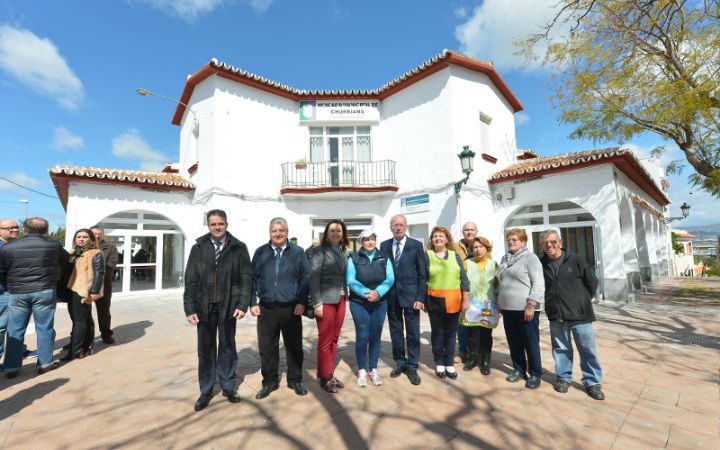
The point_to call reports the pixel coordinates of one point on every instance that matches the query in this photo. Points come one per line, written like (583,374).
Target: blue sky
(69,70)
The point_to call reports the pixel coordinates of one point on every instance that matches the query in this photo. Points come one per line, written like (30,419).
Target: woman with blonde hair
(86,284)
(480,314)
(447,291)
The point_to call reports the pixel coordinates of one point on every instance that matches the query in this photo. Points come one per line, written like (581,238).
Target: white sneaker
(375,378)
(362,378)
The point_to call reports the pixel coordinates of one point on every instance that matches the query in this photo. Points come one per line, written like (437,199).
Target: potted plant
(301,163)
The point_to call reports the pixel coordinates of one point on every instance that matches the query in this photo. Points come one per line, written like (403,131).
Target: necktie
(278,252)
(218,249)
(398,252)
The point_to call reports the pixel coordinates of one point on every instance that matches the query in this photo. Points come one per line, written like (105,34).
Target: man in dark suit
(218,283)
(406,298)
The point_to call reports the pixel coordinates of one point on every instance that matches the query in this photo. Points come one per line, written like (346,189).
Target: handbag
(435,304)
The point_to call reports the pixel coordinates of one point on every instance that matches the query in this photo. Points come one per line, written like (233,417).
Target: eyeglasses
(513,240)
(10,228)
(551,242)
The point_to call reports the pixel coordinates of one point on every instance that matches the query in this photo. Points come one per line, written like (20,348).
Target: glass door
(143,262)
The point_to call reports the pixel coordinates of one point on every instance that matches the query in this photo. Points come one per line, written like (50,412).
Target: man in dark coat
(406,298)
(102,306)
(570,285)
(218,283)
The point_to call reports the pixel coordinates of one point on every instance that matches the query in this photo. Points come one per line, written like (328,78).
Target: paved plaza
(660,358)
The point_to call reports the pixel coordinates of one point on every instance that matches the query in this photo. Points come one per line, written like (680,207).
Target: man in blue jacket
(570,284)
(281,274)
(406,298)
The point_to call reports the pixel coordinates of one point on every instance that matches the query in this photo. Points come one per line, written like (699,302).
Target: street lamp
(466,162)
(196,124)
(684,209)
(26,201)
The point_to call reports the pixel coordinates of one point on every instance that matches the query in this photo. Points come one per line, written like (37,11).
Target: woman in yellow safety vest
(447,291)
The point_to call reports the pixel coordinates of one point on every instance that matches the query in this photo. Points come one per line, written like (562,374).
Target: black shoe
(533,382)
(485,368)
(66,346)
(396,372)
(413,377)
(515,376)
(298,387)
(232,396)
(561,386)
(108,339)
(265,391)
(11,373)
(469,365)
(451,375)
(595,391)
(202,402)
(53,366)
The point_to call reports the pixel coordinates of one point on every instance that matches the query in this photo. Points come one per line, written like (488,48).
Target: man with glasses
(570,285)
(9,231)
(406,298)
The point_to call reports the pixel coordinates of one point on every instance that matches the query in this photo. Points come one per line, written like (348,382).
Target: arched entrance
(151,249)
(578,228)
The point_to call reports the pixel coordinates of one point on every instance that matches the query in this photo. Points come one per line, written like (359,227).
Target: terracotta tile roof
(432,65)
(154,179)
(683,234)
(623,158)
(62,175)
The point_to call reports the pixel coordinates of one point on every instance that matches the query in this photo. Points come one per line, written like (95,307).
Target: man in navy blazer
(406,298)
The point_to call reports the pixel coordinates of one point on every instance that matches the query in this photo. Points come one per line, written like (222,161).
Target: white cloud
(131,146)
(37,63)
(187,10)
(461,12)
(521,118)
(19,178)
(492,27)
(260,6)
(64,139)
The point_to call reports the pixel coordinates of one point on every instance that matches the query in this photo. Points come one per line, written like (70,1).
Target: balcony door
(346,149)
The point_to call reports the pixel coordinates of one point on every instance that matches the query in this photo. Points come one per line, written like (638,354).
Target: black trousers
(102,307)
(83,326)
(216,358)
(524,341)
(404,326)
(273,321)
(443,331)
(480,340)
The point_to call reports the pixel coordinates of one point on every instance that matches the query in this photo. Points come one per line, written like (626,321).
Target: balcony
(340,176)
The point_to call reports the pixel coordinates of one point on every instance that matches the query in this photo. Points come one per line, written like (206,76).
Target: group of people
(36,273)
(462,289)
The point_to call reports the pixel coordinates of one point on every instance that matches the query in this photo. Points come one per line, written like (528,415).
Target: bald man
(464,249)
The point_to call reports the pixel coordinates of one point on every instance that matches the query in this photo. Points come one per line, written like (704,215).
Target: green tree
(632,66)
(676,246)
(58,235)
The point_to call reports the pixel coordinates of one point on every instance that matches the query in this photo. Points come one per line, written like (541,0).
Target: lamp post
(26,201)
(466,162)
(196,125)
(684,209)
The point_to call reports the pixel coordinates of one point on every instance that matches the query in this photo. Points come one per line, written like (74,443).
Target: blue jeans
(369,319)
(4,298)
(562,334)
(41,305)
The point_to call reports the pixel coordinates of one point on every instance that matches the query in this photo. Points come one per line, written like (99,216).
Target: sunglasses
(552,242)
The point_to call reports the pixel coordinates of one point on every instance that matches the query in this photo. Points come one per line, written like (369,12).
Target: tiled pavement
(661,381)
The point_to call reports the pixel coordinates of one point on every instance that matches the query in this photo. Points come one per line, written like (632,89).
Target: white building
(369,155)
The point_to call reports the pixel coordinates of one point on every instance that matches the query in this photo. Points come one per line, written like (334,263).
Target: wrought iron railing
(339,174)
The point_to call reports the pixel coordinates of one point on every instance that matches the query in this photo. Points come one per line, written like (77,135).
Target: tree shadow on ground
(21,399)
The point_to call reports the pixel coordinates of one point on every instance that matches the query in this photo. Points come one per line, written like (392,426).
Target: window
(335,144)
